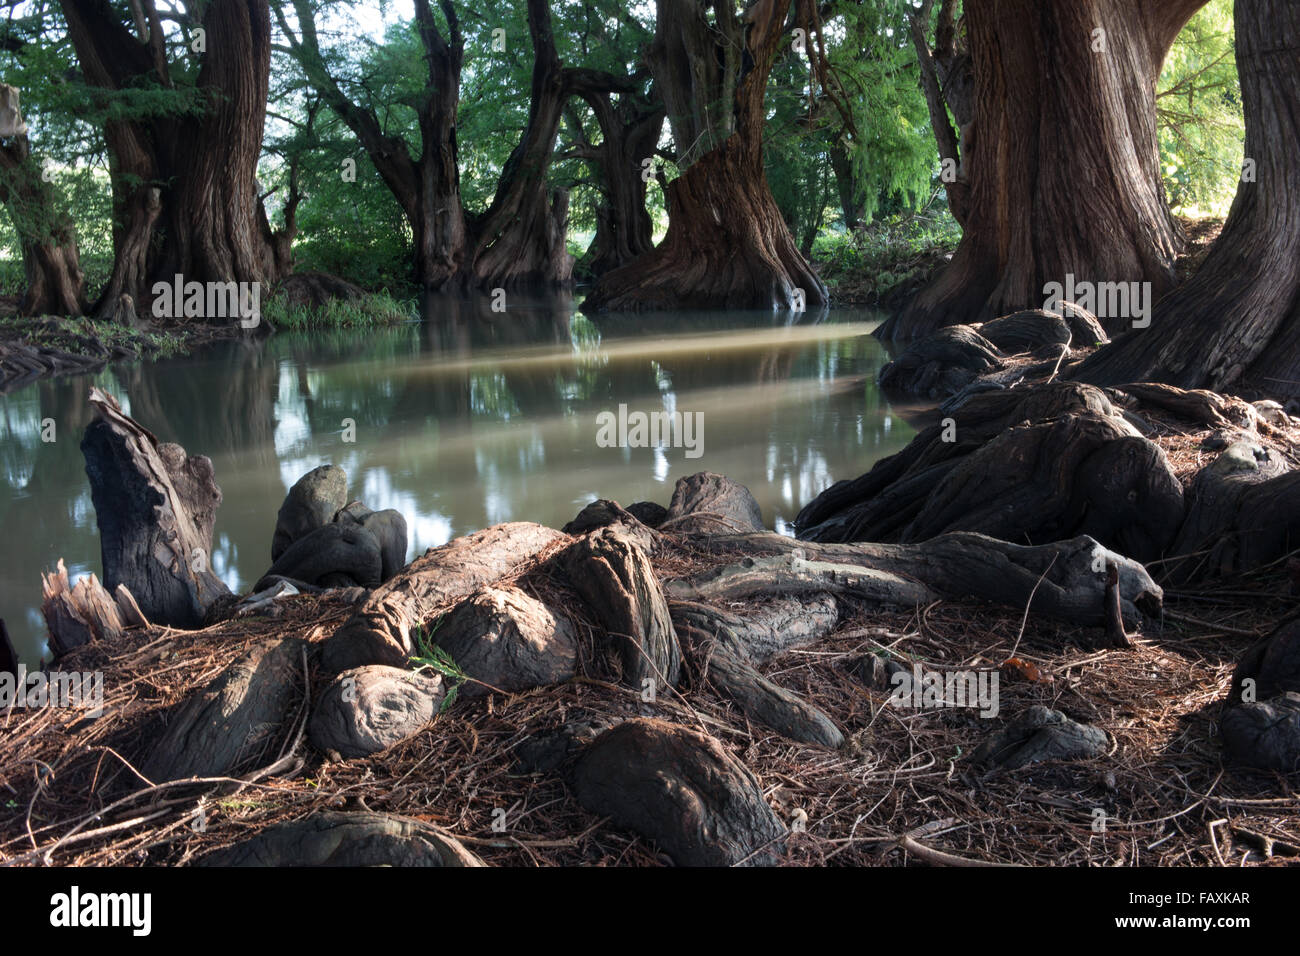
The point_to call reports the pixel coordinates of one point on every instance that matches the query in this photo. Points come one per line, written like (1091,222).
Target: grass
(375,309)
(81,336)
(886,260)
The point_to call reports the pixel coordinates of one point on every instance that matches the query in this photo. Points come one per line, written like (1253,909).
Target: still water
(465,420)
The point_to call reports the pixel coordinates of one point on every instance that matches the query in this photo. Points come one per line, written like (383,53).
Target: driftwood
(228,723)
(1066,579)
(155,508)
(681,789)
(612,572)
(369,709)
(77,614)
(382,631)
(507,641)
(347,839)
(727,646)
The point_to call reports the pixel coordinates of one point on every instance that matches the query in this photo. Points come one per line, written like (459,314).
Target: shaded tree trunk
(727,244)
(520,237)
(1236,322)
(629,133)
(1062,157)
(51,264)
(185,191)
(846,188)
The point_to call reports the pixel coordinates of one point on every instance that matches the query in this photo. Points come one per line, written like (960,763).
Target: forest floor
(1162,795)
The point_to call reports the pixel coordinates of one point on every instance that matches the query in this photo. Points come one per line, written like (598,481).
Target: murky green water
(470,419)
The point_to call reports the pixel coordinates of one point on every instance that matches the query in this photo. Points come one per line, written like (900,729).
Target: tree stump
(155,507)
(682,790)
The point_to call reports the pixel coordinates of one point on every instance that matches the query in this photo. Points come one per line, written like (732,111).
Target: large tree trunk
(1062,157)
(55,283)
(184,187)
(727,245)
(520,238)
(629,133)
(1236,322)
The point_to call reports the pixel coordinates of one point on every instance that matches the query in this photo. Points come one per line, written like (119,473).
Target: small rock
(1039,734)
(310,504)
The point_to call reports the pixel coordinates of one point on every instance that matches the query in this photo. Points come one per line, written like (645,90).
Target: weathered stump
(155,507)
(613,574)
(369,709)
(232,721)
(706,502)
(347,839)
(337,555)
(682,790)
(310,505)
(507,641)
(383,628)
(77,614)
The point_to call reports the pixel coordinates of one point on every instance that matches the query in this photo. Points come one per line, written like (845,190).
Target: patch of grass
(429,656)
(81,336)
(376,309)
(883,261)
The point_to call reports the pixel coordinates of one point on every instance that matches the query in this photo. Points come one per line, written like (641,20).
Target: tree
(1236,322)
(1063,157)
(46,234)
(184,166)
(727,244)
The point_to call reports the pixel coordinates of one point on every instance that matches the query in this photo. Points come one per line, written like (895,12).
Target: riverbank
(38,347)
(806,727)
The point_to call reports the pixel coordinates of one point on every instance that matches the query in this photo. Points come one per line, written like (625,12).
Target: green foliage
(1202,128)
(375,309)
(429,656)
(890,255)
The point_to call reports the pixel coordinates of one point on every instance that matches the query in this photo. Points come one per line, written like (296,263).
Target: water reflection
(471,418)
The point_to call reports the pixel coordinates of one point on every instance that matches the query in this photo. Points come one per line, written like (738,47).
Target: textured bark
(234,722)
(727,244)
(1064,166)
(369,709)
(382,631)
(682,790)
(629,134)
(1236,322)
(155,507)
(941,364)
(508,641)
(724,645)
(706,502)
(1062,577)
(347,839)
(612,572)
(184,186)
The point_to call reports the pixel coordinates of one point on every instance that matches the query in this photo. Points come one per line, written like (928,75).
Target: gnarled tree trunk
(1062,157)
(55,283)
(727,244)
(1236,322)
(184,186)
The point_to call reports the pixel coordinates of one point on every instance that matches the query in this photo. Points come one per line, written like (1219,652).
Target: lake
(462,421)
